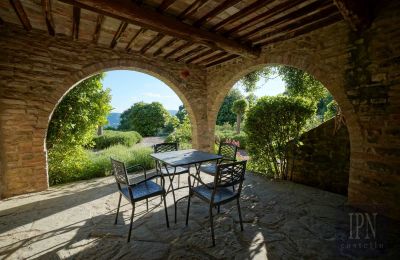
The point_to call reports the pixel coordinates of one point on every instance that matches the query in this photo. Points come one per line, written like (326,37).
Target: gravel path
(150,141)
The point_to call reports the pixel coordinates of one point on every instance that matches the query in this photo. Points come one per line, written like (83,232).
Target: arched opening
(323,157)
(167,81)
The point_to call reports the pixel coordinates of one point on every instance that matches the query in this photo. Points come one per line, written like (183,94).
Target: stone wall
(323,158)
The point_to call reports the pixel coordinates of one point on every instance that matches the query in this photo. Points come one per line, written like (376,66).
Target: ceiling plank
(118,33)
(19,10)
(355,12)
(182,47)
(213,58)
(294,32)
(191,9)
(332,10)
(128,47)
(145,17)
(222,60)
(215,11)
(200,56)
(46,6)
(190,53)
(165,4)
(75,22)
(99,22)
(241,13)
(304,11)
(151,43)
(165,45)
(264,16)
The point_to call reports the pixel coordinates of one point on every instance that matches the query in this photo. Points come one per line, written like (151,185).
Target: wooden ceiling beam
(264,16)
(215,11)
(213,58)
(151,43)
(182,47)
(241,13)
(75,22)
(165,4)
(356,13)
(165,45)
(200,55)
(46,6)
(19,10)
(294,32)
(99,22)
(304,11)
(128,46)
(332,10)
(222,60)
(131,12)
(190,53)
(118,33)
(191,9)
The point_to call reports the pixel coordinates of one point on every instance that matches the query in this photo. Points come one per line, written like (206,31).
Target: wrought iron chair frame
(224,159)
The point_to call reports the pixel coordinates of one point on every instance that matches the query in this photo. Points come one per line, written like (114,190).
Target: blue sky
(128,87)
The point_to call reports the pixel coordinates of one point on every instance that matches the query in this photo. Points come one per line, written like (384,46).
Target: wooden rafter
(191,9)
(332,10)
(128,46)
(355,12)
(99,22)
(215,11)
(75,22)
(264,16)
(241,13)
(165,45)
(151,43)
(190,53)
(145,17)
(118,33)
(214,57)
(180,48)
(222,60)
(19,10)
(200,55)
(165,4)
(46,6)
(318,6)
(294,32)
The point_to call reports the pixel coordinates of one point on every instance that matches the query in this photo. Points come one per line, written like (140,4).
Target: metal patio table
(181,158)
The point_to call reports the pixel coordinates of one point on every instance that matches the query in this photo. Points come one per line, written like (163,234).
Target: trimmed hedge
(110,138)
(221,136)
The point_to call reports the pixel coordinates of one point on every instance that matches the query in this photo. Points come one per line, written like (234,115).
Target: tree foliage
(225,114)
(182,134)
(331,111)
(181,114)
(249,81)
(76,118)
(146,119)
(270,125)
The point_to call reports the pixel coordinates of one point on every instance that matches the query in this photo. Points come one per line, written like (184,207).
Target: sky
(128,87)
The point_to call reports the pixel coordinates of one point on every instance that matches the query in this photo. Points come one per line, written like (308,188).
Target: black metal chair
(135,192)
(169,171)
(228,151)
(220,191)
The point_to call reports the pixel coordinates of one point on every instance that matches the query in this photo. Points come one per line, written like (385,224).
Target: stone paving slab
(282,220)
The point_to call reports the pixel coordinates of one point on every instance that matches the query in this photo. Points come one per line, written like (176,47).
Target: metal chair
(169,171)
(135,192)
(220,191)
(228,151)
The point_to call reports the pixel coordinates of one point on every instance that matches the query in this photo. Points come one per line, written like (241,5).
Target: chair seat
(171,170)
(222,195)
(143,190)
(210,168)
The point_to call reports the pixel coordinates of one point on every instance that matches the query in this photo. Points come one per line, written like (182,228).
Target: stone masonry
(323,158)
(360,70)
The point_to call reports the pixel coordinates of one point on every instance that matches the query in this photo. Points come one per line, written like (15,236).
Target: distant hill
(115,118)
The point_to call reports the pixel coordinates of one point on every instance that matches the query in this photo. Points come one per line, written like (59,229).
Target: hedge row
(110,138)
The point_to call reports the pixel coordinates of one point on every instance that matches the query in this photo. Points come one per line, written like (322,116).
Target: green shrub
(270,125)
(110,138)
(67,165)
(182,134)
(222,136)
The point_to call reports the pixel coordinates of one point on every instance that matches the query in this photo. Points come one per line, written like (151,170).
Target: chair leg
(219,207)
(187,211)
(119,203)
(212,226)
(130,227)
(165,209)
(179,180)
(175,207)
(147,204)
(240,215)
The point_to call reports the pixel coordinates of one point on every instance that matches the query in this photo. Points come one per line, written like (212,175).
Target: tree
(239,108)
(270,125)
(181,114)
(251,99)
(82,110)
(146,119)
(171,125)
(331,111)
(225,114)
(249,81)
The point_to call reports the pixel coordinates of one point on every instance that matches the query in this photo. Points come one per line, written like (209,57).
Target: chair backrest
(230,174)
(121,177)
(165,147)
(228,151)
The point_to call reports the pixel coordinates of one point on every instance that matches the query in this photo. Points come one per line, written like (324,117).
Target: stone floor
(283,220)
